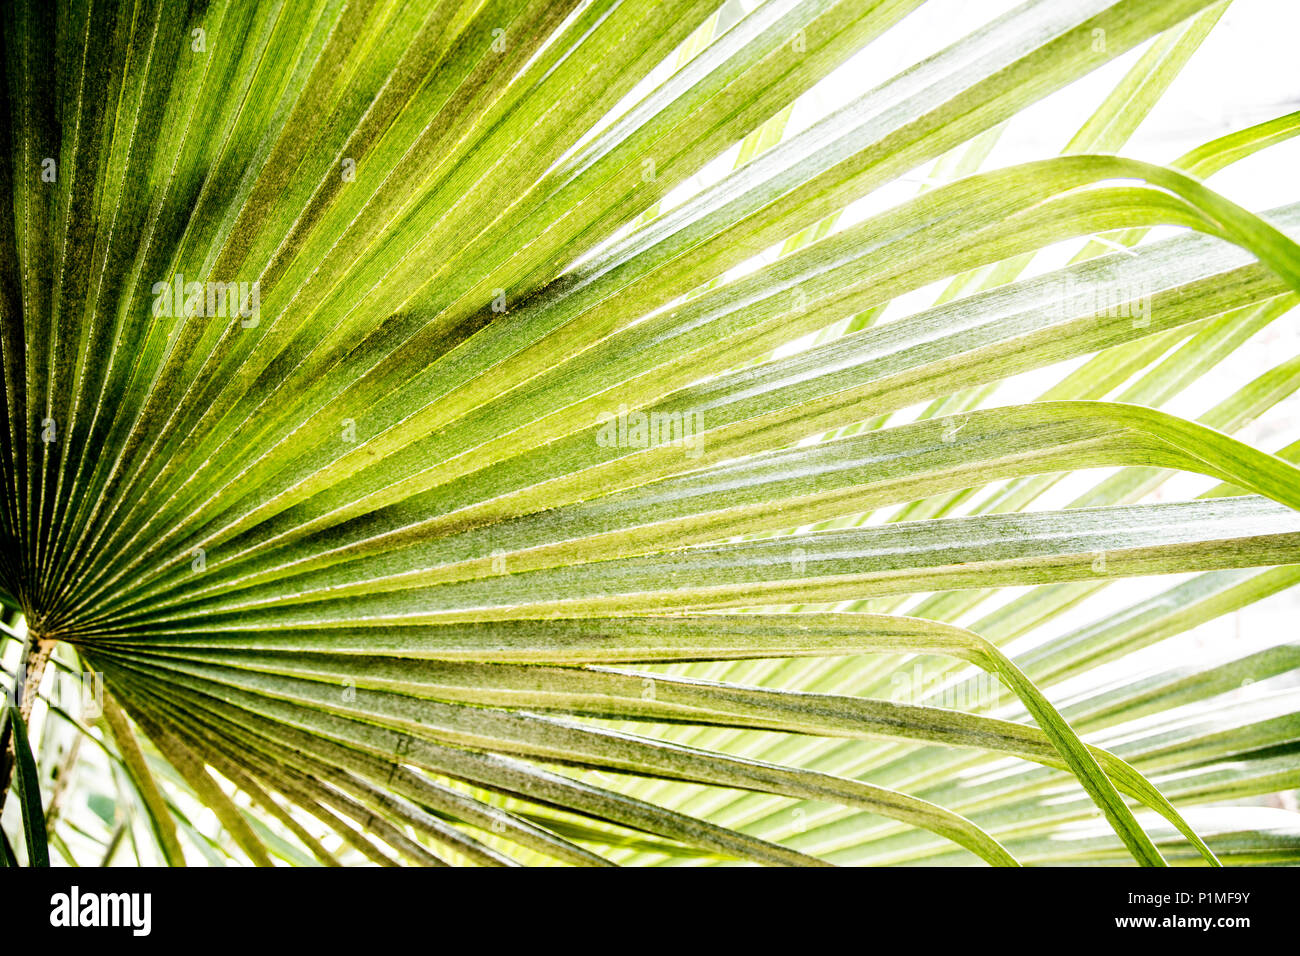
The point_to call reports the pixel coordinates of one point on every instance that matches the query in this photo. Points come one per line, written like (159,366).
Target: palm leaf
(467,433)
